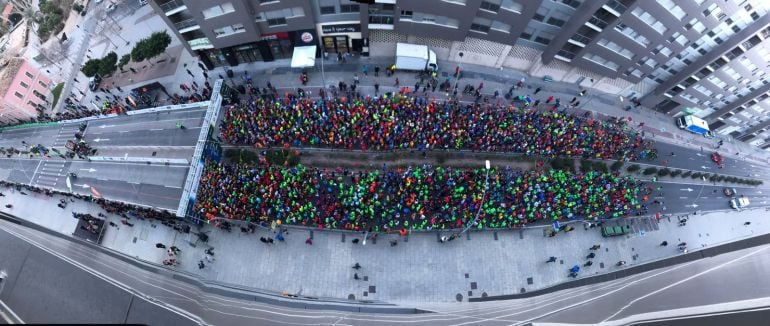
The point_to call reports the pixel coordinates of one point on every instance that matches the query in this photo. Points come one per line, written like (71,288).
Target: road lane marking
(682,281)
(682,197)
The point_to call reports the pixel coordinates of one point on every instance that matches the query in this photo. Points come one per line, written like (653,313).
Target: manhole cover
(459,297)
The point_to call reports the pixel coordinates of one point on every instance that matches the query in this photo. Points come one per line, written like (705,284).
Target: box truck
(415,57)
(693,124)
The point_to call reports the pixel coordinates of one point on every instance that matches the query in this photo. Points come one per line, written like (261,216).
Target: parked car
(729,192)
(93,83)
(612,231)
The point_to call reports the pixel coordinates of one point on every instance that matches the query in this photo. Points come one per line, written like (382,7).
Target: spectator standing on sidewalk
(365,70)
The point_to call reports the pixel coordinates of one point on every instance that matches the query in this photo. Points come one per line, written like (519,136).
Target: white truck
(739,202)
(693,124)
(415,57)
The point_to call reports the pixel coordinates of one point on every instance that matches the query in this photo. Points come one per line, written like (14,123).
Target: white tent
(304,56)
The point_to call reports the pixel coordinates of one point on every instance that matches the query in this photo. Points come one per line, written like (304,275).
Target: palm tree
(31,15)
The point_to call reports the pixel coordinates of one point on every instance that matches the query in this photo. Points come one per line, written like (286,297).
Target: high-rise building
(703,57)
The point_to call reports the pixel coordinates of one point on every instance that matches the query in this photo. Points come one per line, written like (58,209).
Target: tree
(650,170)
(633,168)
(107,64)
(91,67)
(150,47)
(124,60)
(616,166)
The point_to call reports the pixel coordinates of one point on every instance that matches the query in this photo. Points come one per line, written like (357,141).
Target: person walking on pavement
(588,263)
(747,223)
(355,276)
(396,82)
(376,71)
(537,90)
(552,259)
(201,264)
(596,247)
(357,266)
(664,243)
(376,89)
(175,249)
(365,70)
(591,255)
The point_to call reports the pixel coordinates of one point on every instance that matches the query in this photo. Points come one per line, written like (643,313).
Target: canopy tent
(304,56)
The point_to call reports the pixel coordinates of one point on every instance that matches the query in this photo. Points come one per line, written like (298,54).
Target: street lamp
(460,71)
(483,196)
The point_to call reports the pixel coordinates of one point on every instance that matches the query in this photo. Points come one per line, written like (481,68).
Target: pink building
(23,89)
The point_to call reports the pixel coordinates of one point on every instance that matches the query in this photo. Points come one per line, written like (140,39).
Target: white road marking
(682,197)
(5,317)
(33,174)
(682,281)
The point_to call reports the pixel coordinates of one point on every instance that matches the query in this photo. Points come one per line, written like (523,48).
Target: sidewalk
(418,270)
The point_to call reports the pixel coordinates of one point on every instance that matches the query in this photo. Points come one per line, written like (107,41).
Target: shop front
(341,38)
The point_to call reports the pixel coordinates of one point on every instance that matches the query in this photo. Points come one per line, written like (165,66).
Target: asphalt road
(686,285)
(696,160)
(146,135)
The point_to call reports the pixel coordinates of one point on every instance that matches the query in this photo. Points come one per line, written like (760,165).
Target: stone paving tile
(420,270)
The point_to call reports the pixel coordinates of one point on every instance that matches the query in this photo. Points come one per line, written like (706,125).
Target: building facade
(702,57)
(25,91)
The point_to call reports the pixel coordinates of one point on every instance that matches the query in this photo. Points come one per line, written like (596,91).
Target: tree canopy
(150,47)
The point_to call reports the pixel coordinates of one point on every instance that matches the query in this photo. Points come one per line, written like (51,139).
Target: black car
(93,83)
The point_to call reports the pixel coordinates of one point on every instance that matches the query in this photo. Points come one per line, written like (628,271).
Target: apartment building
(23,91)
(702,57)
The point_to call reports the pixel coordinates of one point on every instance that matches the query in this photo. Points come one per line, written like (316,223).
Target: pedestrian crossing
(66,132)
(50,173)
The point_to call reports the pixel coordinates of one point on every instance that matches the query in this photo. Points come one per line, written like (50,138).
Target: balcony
(186,25)
(381,22)
(615,7)
(565,55)
(579,40)
(596,23)
(173,6)
(200,44)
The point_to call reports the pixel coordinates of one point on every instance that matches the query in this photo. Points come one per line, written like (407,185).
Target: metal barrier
(139,159)
(170,108)
(194,174)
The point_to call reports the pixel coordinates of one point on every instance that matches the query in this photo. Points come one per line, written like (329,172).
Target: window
(423,18)
(406,14)
(349,8)
(218,10)
(278,17)
(555,22)
(527,34)
(17,94)
(616,48)
(23,84)
(459,2)
(481,25)
(501,27)
(571,3)
(650,20)
(490,5)
(632,34)
(28,74)
(673,8)
(601,61)
(40,96)
(328,10)
(511,5)
(544,38)
(229,30)
(42,84)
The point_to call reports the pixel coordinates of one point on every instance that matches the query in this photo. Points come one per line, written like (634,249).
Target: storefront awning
(304,56)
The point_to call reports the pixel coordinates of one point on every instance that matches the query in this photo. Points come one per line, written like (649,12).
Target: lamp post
(483,196)
(457,78)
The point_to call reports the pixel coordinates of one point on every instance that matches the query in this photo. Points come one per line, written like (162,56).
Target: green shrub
(616,166)
(283,157)
(686,174)
(601,167)
(585,166)
(650,170)
(676,173)
(664,172)
(696,175)
(633,168)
